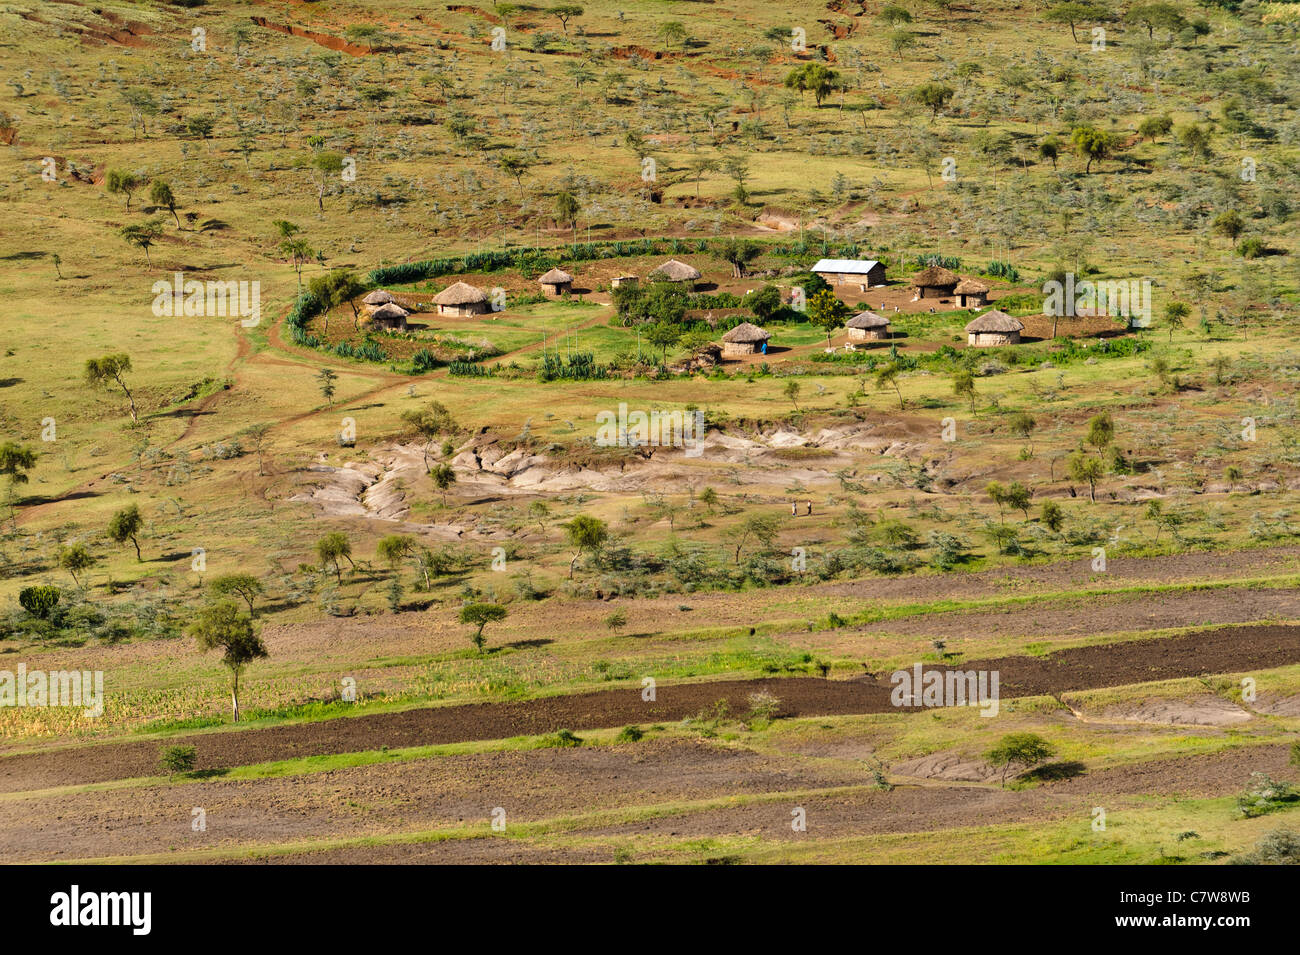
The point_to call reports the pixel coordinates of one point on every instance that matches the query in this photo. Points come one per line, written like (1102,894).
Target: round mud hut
(971,294)
(994,328)
(377,298)
(390,316)
(674,271)
(867,327)
(745,339)
(556,283)
(934,282)
(461,299)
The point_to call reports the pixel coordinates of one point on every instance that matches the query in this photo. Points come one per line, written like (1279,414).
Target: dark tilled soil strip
(1213,651)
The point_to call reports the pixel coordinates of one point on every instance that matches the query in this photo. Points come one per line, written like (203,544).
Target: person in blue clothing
(764,348)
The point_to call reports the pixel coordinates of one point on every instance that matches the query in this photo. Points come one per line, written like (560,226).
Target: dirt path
(1092,667)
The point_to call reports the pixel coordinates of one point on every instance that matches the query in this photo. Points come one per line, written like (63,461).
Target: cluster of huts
(993,328)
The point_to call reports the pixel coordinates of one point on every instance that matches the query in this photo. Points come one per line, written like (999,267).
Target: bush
(561,738)
(178,759)
(630,734)
(1265,795)
(39,601)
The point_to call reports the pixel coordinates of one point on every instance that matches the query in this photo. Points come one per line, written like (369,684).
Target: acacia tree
(221,626)
(121,182)
(161,195)
(324,166)
(142,236)
(111,368)
(1094,143)
(125,526)
(480,615)
(887,376)
(587,535)
(76,559)
(334,548)
(827,312)
(564,12)
(245,586)
(444,476)
(1025,750)
(15,461)
(934,97)
(430,422)
(1072,13)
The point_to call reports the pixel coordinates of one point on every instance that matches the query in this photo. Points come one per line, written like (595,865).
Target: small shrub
(561,738)
(630,734)
(178,759)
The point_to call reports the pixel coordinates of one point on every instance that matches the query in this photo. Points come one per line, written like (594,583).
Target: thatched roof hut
(461,298)
(971,294)
(867,327)
(934,282)
(994,328)
(555,283)
(378,297)
(675,271)
(390,315)
(745,339)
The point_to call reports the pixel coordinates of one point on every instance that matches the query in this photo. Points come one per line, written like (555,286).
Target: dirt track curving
(1227,650)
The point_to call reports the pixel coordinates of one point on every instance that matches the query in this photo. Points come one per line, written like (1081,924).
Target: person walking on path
(809,508)
(794,508)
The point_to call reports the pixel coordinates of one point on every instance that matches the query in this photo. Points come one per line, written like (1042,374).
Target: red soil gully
(1223,650)
(324,39)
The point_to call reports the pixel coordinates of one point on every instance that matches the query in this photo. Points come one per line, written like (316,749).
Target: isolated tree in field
(887,377)
(934,97)
(111,369)
(997,493)
(333,549)
(15,461)
(963,386)
(564,12)
(1052,516)
(1073,14)
(1025,750)
(1018,496)
(56,261)
(39,601)
(1229,224)
(299,252)
(1085,467)
(76,559)
(480,615)
(815,78)
(1022,425)
(566,210)
(892,15)
(430,422)
(327,378)
(1049,149)
(737,167)
(1101,432)
(244,586)
(1153,127)
(143,236)
(125,526)
(324,167)
(709,498)
(515,165)
(738,253)
(221,626)
(161,195)
(663,335)
(121,182)
(673,32)
(900,40)
(1176,316)
(255,435)
(791,391)
(701,166)
(827,312)
(1197,140)
(758,527)
(444,476)
(1093,143)
(586,535)
(1152,15)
